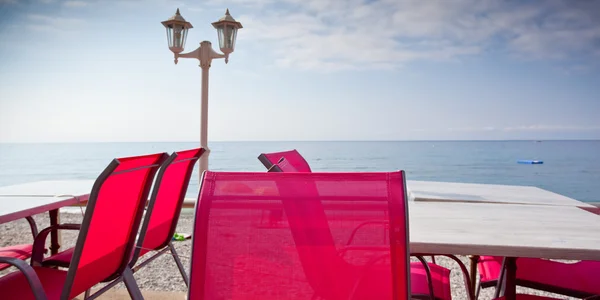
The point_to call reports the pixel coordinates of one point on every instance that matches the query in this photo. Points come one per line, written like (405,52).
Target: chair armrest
(32,225)
(361,225)
(372,262)
(463,269)
(37,255)
(366,268)
(34,281)
(345,249)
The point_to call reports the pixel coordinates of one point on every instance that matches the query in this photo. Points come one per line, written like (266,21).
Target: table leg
(511,274)
(55,236)
(473,272)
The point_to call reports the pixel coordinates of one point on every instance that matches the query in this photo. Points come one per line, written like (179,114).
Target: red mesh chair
(22,251)
(579,280)
(161,218)
(163,212)
(292,156)
(437,283)
(428,280)
(106,238)
(233,258)
(271,159)
(164,209)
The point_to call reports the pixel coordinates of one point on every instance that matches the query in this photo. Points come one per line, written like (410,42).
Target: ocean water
(571,168)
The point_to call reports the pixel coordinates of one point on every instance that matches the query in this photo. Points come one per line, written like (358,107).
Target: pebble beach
(162,275)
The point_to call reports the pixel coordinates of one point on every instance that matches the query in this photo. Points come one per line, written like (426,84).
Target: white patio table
(28,199)
(455,192)
(507,230)
(445,218)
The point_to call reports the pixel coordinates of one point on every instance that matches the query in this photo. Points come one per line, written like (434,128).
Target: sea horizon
(570,167)
(308,141)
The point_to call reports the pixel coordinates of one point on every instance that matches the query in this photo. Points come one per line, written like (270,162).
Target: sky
(101,71)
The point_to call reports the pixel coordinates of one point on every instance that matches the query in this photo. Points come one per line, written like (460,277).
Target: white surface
(499,223)
(14,208)
(27,199)
(554,232)
(50,188)
(491,193)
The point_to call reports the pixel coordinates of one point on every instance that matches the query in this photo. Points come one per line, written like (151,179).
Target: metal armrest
(351,238)
(30,275)
(372,262)
(465,272)
(37,255)
(463,269)
(343,250)
(33,226)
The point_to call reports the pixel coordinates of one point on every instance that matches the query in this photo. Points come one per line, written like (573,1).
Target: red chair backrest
(292,156)
(234,258)
(167,200)
(111,222)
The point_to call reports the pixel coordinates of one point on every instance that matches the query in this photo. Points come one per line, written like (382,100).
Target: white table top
(491,193)
(14,208)
(27,199)
(503,220)
(553,232)
(49,188)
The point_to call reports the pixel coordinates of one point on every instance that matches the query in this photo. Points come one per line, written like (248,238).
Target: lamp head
(227,28)
(177,28)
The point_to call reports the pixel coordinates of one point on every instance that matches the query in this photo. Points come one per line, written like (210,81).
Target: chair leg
(87,294)
(132,287)
(477,290)
(179,265)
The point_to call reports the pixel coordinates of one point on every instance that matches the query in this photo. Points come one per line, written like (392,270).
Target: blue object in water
(530,162)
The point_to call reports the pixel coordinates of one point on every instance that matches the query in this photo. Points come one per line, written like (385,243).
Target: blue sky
(75,71)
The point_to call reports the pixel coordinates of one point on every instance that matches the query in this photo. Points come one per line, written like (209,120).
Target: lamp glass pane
(220,33)
(184,38)
(228,34)
(233,37)
(177,36)
(169,36)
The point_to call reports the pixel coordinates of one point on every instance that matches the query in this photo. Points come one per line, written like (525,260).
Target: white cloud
(357,34)
(552,128)
(54,24)
(75,3)
(524,128)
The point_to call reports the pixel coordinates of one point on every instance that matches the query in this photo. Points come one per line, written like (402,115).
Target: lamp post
(227,28)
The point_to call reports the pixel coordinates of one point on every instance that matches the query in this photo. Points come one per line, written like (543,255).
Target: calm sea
(571,168)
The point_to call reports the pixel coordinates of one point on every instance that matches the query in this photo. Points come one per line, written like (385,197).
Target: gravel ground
(163,275)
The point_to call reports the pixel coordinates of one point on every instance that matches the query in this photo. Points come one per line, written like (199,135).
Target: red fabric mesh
(62,258)
(17,251)
(118,202)
(14,286)
(440,276)
(489,268)
(168,200)
(234,257)
(293,157)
